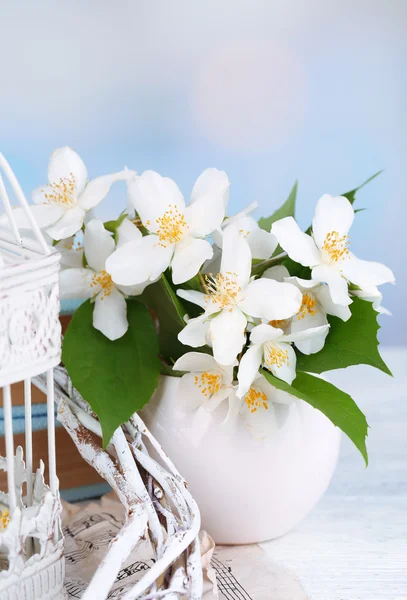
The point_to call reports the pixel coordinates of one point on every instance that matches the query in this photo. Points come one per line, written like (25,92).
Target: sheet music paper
(230,572)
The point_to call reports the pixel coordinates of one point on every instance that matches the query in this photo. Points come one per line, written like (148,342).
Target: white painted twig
(120,547)
(145,487)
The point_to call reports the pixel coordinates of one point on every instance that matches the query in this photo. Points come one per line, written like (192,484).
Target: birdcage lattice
(31,546)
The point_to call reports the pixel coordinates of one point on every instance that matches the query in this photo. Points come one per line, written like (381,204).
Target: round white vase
(247,490)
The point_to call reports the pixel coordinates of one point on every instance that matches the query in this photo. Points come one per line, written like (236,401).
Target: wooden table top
(353,546)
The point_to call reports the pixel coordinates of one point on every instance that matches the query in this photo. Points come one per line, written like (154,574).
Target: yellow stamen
(275,356)
(208,383)
(104,280)
(256,399)
(336,246)
(171,226)
(222,289)
(4,519)
(137,222)
(62,192)
(244,233)
(308,307)
(278,323)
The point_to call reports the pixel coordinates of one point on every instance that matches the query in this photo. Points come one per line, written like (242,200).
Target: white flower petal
(65,163)
(263,333)
(70,223)
(331,214)
(71,256)
(133,290)
(76,283)
(278,273)
(205,215)
(366,274)
(309,333)
(138,261)
(268,299)
(227,332)
(236,257)
(110,315)
(213,265)
(152,196)
(275,395)
(44,214)
(249,368)
(338,286)
(372,294)
(189,396)
(262,243)
(193,296)
(323,297)
(216,399)
(196,361)
(127,232)
(189,255)
(98,245)
(299,246)
(231,422)
(212,182)
(283,370)
(302,284)
(38,195)
(261,422)
(195,332)
(98,188)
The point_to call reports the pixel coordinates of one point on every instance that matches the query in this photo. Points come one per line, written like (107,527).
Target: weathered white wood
(353,546)
(147,489)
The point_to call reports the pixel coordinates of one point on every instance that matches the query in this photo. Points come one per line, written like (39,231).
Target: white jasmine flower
(263,408)
(206,384)
(374,296)
(327,251)
(71,251)
(176,231)
(94,281)
(316,305)
(232,299)
(271,348)
(261,243)
(61,205)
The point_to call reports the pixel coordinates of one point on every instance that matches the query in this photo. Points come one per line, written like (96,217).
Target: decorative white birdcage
(31,545)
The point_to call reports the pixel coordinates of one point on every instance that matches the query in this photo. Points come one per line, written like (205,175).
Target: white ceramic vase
(248,490)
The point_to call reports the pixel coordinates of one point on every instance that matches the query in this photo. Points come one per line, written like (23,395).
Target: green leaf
(296,269)
(351,196)
(351,342)
(170,372)
(116,378)
(287,210)
(113,225)
(335,404)
(169,310)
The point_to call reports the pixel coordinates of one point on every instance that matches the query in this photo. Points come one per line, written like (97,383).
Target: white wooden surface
(353,546)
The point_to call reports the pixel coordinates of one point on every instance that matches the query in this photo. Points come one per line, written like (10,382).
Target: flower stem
(271,262)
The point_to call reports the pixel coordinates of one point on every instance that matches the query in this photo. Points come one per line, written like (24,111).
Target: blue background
(269,91)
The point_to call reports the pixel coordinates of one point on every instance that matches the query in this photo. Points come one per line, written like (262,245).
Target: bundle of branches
(157,503)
